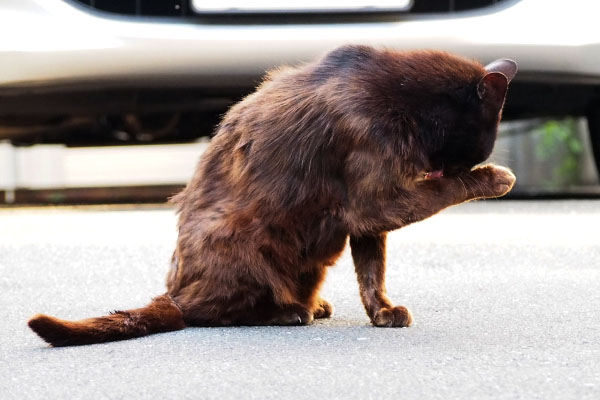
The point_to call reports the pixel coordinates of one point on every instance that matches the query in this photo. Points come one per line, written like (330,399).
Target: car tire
(593,119)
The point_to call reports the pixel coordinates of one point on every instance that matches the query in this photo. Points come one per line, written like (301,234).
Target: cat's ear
(506,67)
(494,84)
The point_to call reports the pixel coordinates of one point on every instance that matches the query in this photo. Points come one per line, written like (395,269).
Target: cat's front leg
(431,196)
(370,213)
(488,181)
(368,253)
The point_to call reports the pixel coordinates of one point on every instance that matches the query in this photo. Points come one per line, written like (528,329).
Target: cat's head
(465,120)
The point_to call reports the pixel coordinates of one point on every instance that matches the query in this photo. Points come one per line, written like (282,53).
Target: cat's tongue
(434,174)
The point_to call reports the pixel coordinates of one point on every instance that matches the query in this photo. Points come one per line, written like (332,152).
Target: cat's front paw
(493,181)
(398,316)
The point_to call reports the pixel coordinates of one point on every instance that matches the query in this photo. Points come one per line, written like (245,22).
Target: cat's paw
(293,316)
(493,181)
(324,309)
(398,316)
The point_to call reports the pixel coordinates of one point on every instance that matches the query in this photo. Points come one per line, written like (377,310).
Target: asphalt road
(505,295)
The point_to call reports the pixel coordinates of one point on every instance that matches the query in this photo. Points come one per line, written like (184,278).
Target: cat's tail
(161,315)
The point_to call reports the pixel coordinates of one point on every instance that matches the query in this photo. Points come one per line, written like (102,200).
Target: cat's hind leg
(265,312)
(249,304)
(323,309)
(310,283)
(226,294)
(293,314)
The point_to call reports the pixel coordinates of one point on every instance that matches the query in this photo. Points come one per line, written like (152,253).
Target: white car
(151,70)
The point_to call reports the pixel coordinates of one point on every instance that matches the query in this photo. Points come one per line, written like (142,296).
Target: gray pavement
(505,295)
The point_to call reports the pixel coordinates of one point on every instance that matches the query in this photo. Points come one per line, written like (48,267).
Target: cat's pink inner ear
(493,87)
(505,66)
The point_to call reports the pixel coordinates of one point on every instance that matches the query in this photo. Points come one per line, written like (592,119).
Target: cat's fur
(357,144)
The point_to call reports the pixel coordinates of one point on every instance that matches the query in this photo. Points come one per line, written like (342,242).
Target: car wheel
(593,119)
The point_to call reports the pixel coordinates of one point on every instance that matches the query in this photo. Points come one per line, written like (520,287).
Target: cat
(359,143)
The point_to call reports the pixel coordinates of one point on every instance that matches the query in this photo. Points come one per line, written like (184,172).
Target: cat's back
(277,137)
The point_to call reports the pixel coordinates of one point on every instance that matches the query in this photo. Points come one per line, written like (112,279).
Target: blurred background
(111,101)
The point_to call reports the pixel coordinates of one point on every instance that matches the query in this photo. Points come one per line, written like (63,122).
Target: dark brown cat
(357,144)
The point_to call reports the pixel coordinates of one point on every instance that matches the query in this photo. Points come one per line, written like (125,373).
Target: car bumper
(55,44)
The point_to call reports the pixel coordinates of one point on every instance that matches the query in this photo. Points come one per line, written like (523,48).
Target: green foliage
(559,144)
